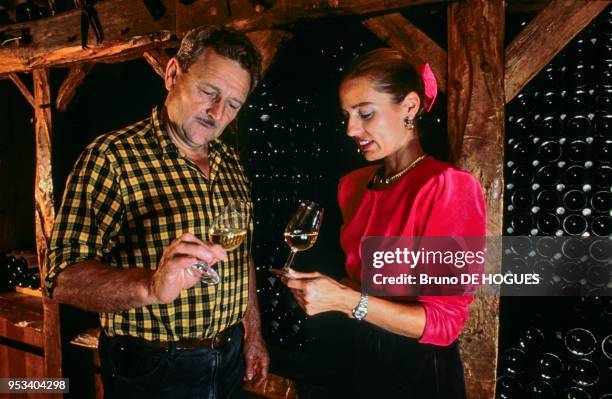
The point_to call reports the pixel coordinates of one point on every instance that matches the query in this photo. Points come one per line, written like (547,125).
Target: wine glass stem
(290,259)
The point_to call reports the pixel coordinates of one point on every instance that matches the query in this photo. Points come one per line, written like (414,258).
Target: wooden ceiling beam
(128,28)
(401,34)
(526,6)
(291,11)
(22,88)
(158,59)
(267,43)
(56,41)
(71,82)
(549,32)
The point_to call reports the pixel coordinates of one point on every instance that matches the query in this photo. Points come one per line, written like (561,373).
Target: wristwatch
(361,310)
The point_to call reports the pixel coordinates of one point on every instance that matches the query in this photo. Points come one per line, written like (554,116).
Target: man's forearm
(251,321)
(98,287)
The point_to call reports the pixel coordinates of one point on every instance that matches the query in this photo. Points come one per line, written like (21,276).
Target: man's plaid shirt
(131,193)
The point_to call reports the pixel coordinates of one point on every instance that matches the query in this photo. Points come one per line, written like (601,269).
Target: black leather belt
(216,342)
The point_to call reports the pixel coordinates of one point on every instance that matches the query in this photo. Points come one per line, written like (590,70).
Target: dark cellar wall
(16,170)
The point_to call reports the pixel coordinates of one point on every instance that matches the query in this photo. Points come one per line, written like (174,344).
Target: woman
(402,349)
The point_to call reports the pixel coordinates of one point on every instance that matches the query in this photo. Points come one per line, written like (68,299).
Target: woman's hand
(317,293)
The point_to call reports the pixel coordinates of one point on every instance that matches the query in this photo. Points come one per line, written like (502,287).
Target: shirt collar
(166,146)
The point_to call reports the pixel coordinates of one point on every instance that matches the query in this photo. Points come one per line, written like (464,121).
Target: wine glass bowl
(229,229)
(301,232)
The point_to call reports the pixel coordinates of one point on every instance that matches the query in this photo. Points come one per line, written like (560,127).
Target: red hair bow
(430,85)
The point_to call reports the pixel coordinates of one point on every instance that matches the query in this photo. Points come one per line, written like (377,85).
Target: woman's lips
(365,145)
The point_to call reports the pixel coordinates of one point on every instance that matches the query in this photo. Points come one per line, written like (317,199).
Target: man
(133,223)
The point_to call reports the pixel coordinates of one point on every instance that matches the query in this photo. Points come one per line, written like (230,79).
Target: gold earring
(408,123)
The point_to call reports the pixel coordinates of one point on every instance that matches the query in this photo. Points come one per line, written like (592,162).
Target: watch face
(360,312)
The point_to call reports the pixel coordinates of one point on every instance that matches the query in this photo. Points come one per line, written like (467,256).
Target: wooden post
(475,123)
(45,215)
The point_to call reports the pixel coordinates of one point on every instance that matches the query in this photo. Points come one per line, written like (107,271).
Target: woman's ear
(173,70)
(411,105)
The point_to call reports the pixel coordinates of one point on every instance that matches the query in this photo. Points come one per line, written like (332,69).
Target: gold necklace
(384,181)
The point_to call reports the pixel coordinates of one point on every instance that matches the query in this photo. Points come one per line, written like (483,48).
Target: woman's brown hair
(390,72)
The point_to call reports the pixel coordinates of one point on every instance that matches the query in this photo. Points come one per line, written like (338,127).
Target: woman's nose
(353,127)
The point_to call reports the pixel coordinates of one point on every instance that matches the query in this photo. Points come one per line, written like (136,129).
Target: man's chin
(202,136)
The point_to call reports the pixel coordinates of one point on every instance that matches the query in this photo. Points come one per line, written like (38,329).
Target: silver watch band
(361,310)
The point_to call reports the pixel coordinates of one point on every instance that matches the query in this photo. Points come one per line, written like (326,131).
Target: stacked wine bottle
(558,196)
(15,272)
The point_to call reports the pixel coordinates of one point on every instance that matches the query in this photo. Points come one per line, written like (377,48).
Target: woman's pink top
(433,199)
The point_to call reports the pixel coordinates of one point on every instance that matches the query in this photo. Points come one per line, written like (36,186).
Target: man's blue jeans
(135,371)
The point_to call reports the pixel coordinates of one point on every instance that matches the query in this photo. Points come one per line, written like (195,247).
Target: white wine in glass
(229,229)
(300,241)
(301,233)
(229,239)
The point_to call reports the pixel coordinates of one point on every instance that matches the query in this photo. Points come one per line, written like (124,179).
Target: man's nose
(215,110)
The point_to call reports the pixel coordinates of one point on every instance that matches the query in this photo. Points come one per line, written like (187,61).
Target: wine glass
(229,229)
(301,233)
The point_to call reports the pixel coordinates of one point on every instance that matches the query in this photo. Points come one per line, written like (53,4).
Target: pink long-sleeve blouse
(433,199)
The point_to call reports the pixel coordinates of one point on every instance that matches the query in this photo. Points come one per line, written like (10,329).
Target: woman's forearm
(407,319)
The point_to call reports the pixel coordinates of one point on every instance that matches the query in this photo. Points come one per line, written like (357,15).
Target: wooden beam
(57,41)
(292,11)
(475,123)
(526,6)
(401,34)
(128,27)
(158,59)
(267,43)
(71,82)
(45,215)
(554,27)
(202,13)
(22,87)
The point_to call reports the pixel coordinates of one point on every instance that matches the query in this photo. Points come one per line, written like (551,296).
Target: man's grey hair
(225,42)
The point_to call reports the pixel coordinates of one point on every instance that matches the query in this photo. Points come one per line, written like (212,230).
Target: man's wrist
(148,289)
(252,325)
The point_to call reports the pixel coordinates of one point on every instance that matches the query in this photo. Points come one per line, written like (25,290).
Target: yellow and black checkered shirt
(130,194)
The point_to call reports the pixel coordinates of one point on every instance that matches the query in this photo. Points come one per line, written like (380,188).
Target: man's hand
(175,271)
(256,358)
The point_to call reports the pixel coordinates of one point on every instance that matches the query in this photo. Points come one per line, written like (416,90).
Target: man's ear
(173,70)
(411,105)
